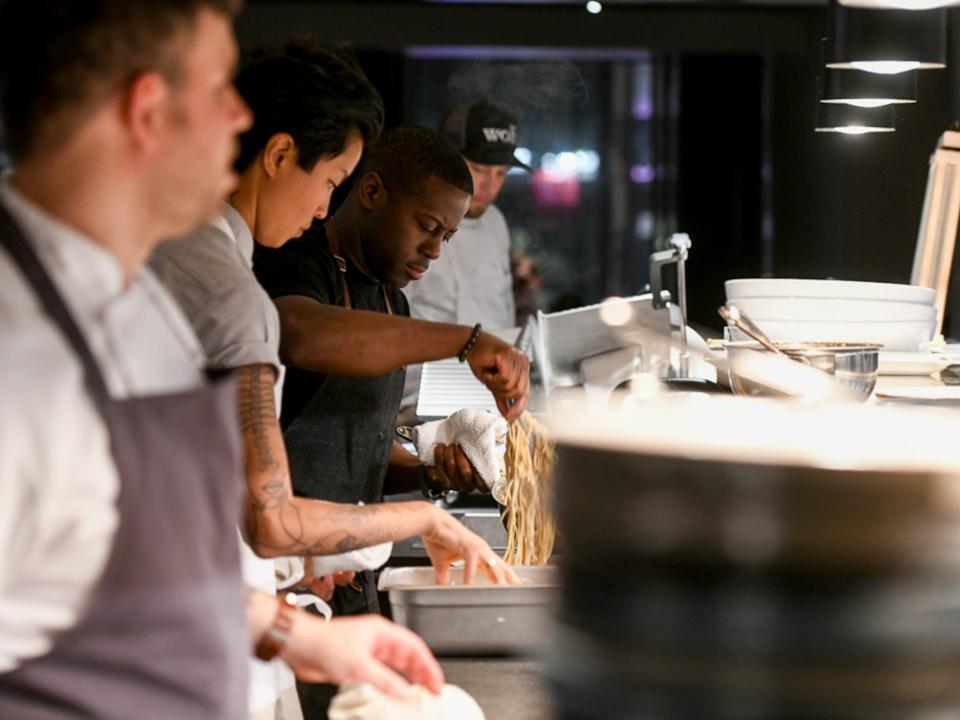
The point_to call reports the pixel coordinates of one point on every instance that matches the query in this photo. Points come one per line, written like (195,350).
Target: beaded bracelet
(465,350)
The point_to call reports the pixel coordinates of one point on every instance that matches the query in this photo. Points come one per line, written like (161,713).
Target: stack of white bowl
(898,317)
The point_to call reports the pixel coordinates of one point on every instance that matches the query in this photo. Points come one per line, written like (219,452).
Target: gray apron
(369,406)
(339,445)
(163,634)
(347,465)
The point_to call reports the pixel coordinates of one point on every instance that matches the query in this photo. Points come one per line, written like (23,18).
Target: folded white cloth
(307,599)
(477,432)
(290,570)
(365,702)
(368,558)
(287,572)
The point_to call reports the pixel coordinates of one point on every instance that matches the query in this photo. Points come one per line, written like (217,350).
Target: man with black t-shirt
(346,338)
(346,335)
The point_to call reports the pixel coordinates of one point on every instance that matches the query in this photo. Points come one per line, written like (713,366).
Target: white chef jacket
(58,480)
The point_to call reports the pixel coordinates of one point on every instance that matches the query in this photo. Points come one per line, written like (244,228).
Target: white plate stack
(898,317)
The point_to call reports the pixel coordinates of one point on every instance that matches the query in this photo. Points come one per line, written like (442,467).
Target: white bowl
(828,289)
(835,310)
(906,335)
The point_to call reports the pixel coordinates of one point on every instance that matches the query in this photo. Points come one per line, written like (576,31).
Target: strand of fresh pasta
(531,529)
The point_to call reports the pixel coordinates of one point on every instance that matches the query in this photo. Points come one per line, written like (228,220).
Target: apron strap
(386,299)
(13,239)
(334,242)
(342,264)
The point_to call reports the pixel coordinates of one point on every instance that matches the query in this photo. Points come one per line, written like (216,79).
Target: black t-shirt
(338,430)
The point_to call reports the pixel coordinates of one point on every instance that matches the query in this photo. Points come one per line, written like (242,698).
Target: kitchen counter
(506,688)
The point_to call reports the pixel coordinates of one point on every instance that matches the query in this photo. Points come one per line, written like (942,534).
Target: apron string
(334,242)
(13,239)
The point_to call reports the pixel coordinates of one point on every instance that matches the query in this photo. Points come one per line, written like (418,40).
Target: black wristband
(474,336)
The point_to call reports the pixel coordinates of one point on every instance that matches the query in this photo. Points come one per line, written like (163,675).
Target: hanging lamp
(885,41)
(852,120)
(900,4)
(863,89)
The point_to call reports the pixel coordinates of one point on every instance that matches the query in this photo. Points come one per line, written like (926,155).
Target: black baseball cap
(484,133)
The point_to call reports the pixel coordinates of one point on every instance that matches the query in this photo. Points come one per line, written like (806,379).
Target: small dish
(912,363)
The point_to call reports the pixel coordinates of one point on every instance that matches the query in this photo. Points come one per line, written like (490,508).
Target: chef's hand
(504,370)
(360,649)
(448,540)
(452,470)
(323,585)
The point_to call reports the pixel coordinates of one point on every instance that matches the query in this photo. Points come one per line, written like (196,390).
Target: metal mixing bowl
(852,365)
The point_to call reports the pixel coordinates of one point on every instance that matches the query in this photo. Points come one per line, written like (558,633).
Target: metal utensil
(852,365)
(740,320)
(851,368)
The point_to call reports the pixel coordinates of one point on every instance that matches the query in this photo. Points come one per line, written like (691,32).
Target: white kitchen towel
(288,572)
(361,701)
(477,432)
(291,570)
(368,558)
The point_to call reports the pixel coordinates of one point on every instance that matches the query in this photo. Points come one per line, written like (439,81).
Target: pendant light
(852,120)
(900,4)
(867,90)
(886,41)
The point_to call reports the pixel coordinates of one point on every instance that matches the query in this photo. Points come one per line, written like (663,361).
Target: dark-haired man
(472,282)
(120,589)
(346,337)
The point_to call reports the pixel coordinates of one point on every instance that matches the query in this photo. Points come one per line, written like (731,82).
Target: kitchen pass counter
(505,688)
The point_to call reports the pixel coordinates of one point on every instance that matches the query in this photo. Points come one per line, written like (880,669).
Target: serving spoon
(740,320)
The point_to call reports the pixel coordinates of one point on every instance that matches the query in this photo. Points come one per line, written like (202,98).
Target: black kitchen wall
(838,206)
(719,174)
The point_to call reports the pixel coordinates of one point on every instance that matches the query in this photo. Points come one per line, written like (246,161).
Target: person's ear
(279,151)
(370,191)
(144,108)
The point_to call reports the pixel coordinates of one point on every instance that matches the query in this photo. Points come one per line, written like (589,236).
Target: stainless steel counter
(506,688)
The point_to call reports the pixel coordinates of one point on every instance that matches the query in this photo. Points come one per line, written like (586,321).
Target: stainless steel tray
(477,619)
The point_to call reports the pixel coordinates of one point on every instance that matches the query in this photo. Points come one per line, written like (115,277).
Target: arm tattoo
(257,411)
(274,517)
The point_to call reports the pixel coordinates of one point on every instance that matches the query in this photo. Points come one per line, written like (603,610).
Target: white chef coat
(210,273)
(58,480)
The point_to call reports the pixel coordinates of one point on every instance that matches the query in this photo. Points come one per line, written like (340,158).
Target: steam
(524,88)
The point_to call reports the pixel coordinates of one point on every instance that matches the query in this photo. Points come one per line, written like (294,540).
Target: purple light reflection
(511,52)
(642,174)
(642,109)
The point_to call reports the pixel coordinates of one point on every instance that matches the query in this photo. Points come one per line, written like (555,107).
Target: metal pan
(477,619)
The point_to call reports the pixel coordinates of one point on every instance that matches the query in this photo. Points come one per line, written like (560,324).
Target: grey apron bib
(361,416)
(366,409)
(370,406)
(163,635)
